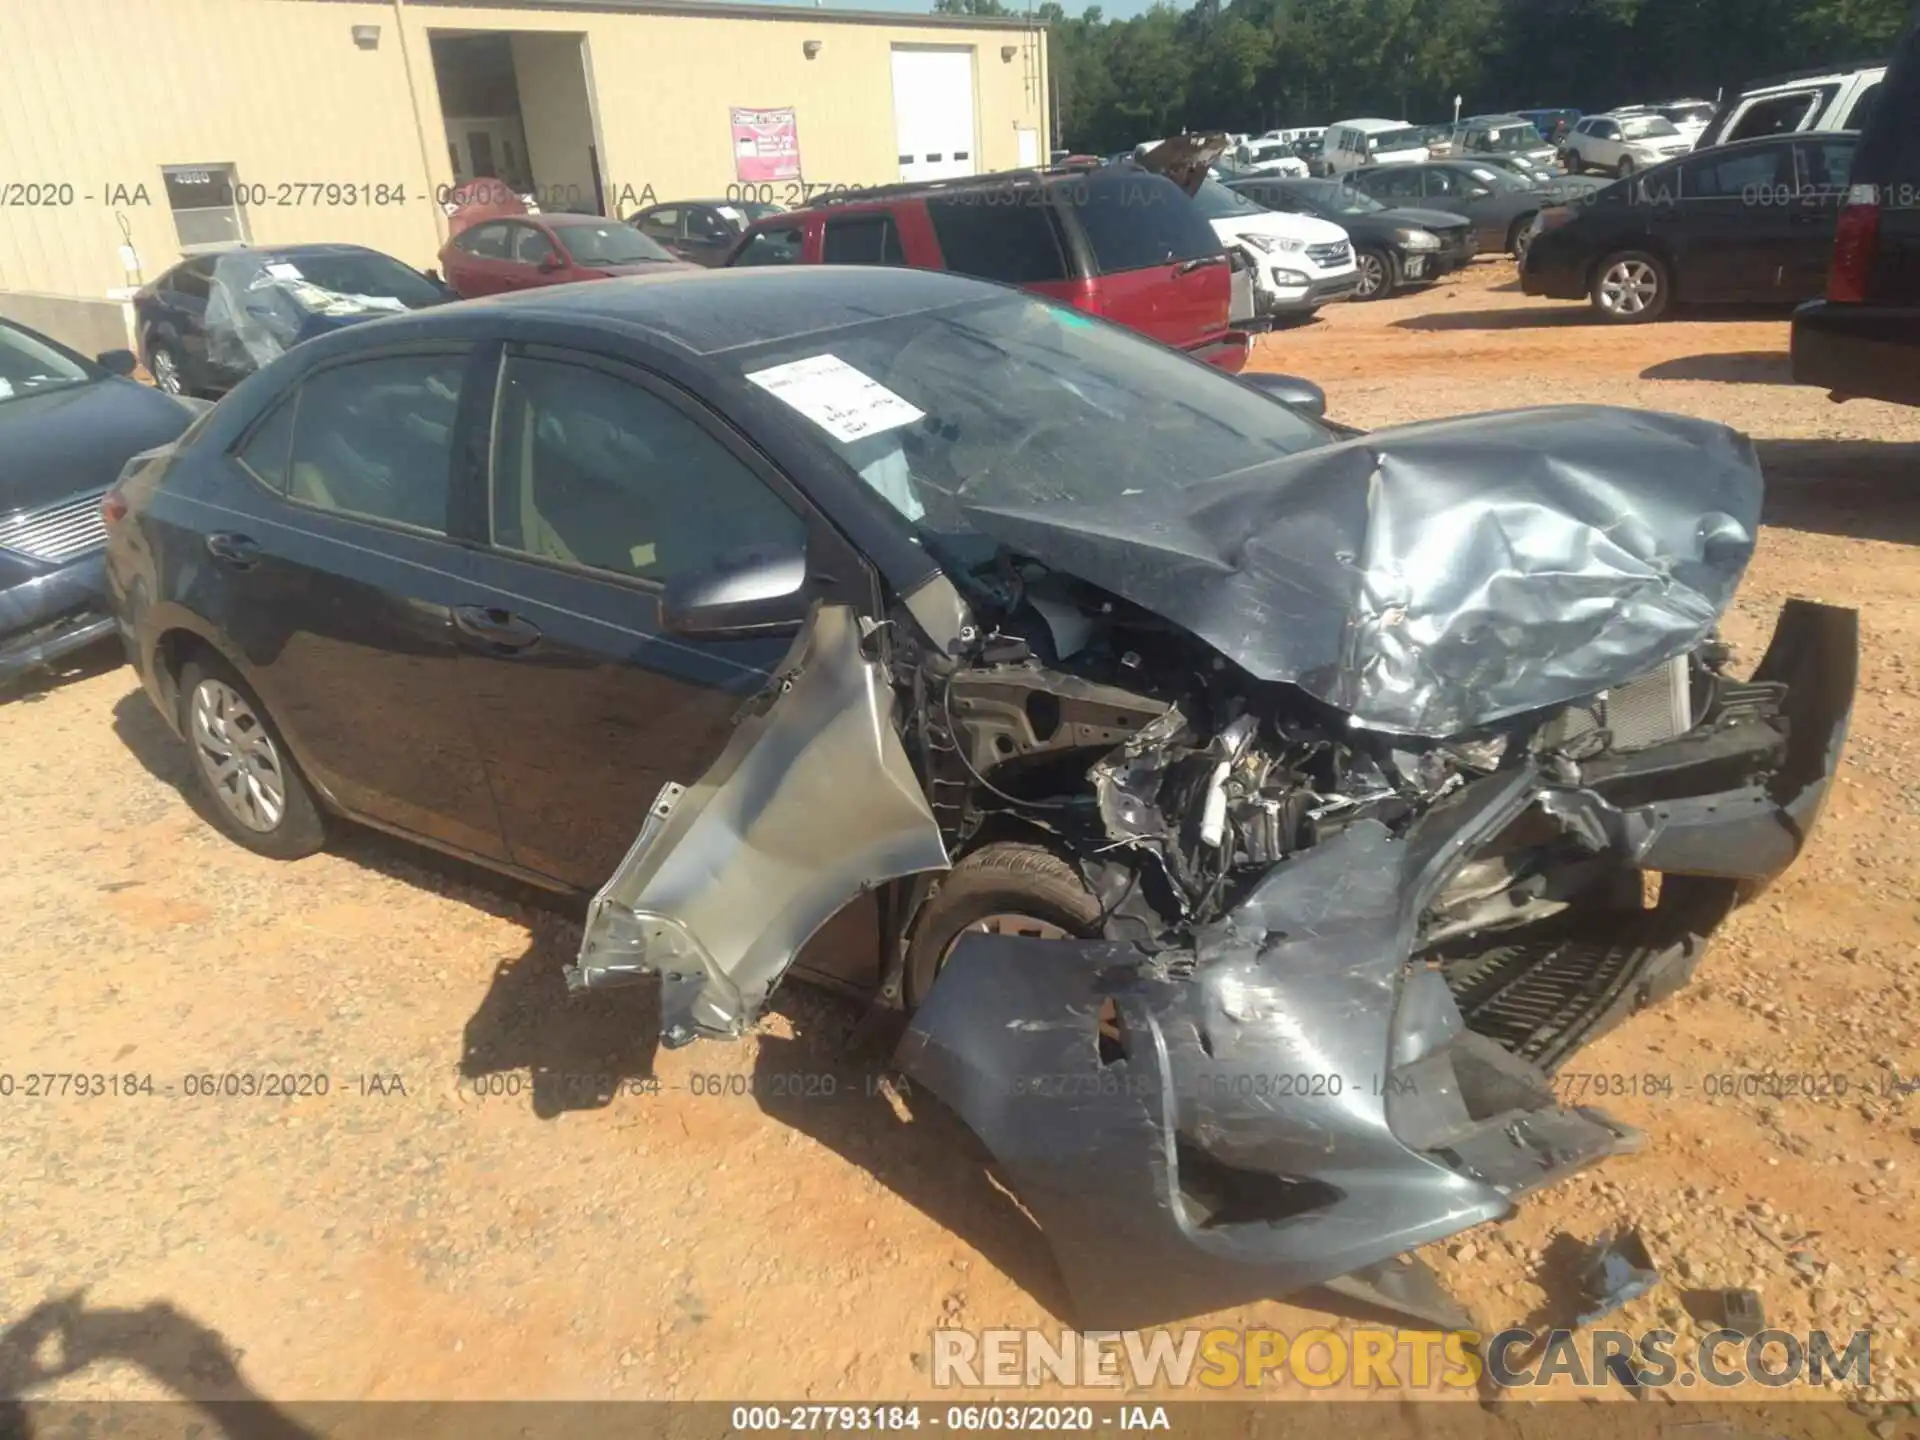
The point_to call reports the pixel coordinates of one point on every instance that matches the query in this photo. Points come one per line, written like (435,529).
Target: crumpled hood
(1436,577)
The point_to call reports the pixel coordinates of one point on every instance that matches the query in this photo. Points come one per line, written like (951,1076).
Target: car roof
(1819,72)
(1501,119)
(706,312)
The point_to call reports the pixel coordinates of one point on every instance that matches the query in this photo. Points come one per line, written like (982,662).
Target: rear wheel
(1379,275)
(1631,287)
(163,363)
(1007,888)
(256,794)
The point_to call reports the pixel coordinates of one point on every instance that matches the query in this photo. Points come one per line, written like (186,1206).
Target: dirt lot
(432,1227)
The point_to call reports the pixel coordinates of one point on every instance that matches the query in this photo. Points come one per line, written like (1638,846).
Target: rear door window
(1825,168)
(489,241)
(1779,115)
(374,439)
(1753,176)
(1137,221)
(1006,235)
(863,240)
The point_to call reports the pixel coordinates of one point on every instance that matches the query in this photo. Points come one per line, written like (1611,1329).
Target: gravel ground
(502,1195)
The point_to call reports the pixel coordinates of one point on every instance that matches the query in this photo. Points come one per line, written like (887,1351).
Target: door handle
(237,552)
(1201,262)
(494,626)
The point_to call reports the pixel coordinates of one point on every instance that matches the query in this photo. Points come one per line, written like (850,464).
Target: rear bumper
(1868,352)
(53,613)
(1227,352)
(1306,1092)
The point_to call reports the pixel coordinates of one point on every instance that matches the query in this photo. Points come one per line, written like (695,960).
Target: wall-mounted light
(1007,52)
(367,37)
(810,47)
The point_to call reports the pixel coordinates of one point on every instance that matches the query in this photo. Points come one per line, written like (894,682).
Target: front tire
(1007,888)
(1379,273)
(1625,168)
(254,791)
(1631,287)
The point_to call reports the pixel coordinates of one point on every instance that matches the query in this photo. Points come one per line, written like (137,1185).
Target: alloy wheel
(1626,166)
(232,747)
(166,373)
(1373,274)
(1629,287)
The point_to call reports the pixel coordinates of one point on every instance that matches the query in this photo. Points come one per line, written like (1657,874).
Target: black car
(213,319)
(1750,223)
(1499,203)
(1392,249)
(702,231)
(1862,339)
(67,427)
(746,597)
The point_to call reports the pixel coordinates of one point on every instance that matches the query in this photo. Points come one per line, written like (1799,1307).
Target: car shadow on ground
(905,1138)
(36,685)
(65,1335)
(1739,367)
(577,1054)
(1864,489)
(1576,313)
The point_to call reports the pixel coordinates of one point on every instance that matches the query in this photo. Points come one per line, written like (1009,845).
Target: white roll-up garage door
(933,112)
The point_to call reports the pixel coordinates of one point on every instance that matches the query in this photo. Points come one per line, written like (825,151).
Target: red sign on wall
(766,145)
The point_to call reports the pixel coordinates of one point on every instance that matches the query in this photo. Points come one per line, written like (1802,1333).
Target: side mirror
(1291,391)
(116,362)
(753,589)
(551,262)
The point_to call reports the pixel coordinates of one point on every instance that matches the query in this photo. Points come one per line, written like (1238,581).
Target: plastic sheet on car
(259,305)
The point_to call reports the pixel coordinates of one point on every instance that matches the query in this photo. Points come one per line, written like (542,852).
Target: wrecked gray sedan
(1259,812)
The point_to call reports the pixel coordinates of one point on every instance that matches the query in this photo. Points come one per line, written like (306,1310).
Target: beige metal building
(132,131)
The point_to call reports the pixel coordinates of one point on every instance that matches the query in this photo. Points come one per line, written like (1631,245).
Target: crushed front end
(1349,1054)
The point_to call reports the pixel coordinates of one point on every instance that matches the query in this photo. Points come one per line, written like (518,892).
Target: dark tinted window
(266,450)
(592,470)
(1135,220)
(1006,235)
(490,240)
(1781,115)
(770,247)
(862,240)
(1826,167)
(661,224)
(1737,177)
(530,246)
(375,439)
(193,279)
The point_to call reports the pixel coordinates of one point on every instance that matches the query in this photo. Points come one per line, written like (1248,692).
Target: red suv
(519,252)
(1113,240)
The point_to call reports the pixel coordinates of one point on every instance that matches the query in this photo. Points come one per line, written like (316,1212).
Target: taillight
(1855,243)
(113,506)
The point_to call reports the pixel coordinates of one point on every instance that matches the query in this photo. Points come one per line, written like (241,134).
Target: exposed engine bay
(1176,780)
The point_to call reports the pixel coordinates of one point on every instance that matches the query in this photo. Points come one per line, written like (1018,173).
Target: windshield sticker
(280,270)
(838,398)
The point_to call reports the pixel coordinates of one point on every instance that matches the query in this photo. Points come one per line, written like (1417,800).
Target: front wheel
(1379,275)
(1625,168)
(1007,888)
(1631,287)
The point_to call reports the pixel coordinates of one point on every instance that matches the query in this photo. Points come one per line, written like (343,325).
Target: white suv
(1622,144)
(1811,100)
(1298,262)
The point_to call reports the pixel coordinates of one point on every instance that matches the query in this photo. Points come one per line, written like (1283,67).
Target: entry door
(933,112)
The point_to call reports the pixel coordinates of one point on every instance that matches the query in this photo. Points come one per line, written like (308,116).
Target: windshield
(1330,197)
(1216,202)
(1647,127)
(1264,153)
(1408,139)
(362,272)
(1013,401)
(1688,114)
(1509,139)
(608,242)
(29,366)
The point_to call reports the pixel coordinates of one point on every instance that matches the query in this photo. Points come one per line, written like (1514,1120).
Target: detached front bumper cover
(1294,1099)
